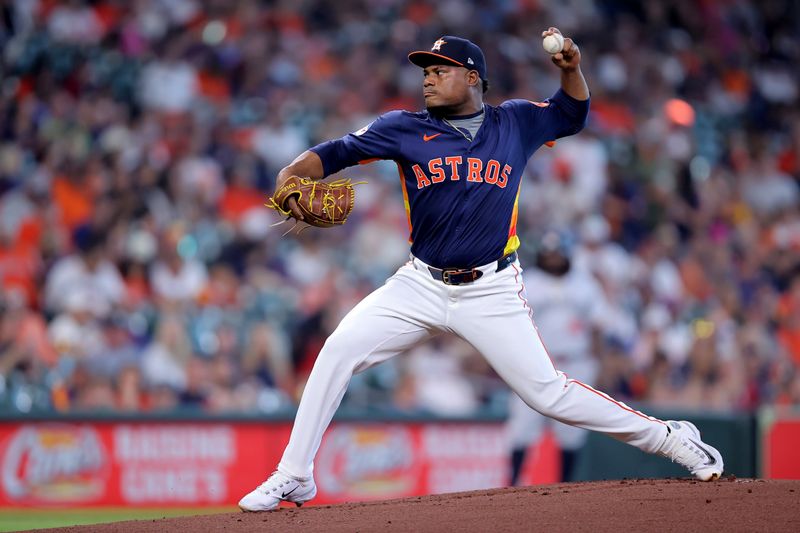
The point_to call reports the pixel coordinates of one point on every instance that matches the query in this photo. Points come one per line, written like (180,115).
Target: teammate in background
(460,164)
(568,305)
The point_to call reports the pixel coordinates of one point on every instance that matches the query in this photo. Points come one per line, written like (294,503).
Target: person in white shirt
(568,307)
(89,272)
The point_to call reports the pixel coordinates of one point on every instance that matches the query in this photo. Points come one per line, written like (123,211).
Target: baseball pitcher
(460,163)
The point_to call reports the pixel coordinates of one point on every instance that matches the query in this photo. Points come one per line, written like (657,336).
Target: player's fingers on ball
(568,46)
(574,52)
(553,29)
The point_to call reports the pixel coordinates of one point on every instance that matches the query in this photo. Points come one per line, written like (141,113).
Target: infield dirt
(680,505)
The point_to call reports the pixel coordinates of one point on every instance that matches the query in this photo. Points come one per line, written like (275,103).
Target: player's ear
(473,79)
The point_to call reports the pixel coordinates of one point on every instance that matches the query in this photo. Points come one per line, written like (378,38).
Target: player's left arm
(569,61)
(376,140)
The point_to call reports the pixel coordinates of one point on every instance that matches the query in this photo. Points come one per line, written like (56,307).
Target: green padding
(733,435)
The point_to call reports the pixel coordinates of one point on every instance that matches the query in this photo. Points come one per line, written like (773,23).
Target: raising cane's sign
(211,463)
(125,464)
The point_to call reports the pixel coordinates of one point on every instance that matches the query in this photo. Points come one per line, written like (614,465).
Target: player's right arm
(559,116)
(569,61)
(562,114)
(377,140)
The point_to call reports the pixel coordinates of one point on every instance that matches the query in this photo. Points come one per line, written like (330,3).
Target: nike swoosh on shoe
(285,494)
(711,460)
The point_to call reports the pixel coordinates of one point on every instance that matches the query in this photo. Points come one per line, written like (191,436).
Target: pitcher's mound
(679,505)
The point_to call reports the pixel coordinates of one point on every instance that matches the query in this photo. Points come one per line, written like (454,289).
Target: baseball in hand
(553,43)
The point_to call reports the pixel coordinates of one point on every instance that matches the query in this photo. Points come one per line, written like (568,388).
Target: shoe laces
(266,487)
(684,452)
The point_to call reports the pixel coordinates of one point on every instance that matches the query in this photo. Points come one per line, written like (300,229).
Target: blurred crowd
(138,138)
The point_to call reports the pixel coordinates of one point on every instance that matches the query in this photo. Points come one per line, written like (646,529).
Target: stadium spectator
(90,273)
(137,141)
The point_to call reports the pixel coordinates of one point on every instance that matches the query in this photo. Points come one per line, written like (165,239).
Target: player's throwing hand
(570,55)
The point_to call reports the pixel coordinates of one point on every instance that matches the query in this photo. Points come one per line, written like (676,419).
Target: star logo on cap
(437,46)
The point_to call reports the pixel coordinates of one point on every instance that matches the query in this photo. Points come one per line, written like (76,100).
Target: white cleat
(684,446)
(279,487)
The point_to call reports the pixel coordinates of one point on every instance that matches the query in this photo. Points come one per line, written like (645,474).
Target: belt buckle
(446,273)
(446,276)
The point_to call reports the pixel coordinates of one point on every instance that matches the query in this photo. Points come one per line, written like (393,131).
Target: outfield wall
(201,460)
(184,463)
(733,435)
(779,443)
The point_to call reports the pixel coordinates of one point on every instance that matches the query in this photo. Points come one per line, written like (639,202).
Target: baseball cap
(554,241)
(451,50)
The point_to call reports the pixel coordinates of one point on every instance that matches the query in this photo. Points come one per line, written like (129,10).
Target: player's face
(445,86)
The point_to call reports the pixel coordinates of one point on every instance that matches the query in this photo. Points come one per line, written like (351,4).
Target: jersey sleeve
(377,140)
(559,116)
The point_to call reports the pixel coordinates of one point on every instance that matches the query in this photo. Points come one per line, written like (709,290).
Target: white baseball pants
(493,315)
(525,426)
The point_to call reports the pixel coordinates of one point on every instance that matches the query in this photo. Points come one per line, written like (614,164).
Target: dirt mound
(680,505)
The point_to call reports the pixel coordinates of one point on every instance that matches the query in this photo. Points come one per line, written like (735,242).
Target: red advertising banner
(191,463)
(780,457)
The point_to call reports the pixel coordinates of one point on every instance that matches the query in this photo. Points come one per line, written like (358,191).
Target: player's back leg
(495,318)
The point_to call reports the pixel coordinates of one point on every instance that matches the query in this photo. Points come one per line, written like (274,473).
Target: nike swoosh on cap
(427,138)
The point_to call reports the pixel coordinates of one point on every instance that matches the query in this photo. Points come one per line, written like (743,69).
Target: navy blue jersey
(461,196)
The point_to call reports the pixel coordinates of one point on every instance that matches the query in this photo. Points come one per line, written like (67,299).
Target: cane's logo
(437,46)
(367,462)
(54,463)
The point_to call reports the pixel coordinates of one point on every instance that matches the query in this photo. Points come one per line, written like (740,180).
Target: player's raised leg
(390,320)
(498,322)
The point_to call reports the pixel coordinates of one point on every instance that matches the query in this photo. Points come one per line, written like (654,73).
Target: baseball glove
(323,204)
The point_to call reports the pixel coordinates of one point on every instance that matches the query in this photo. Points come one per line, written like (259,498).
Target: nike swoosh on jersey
(427,138)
